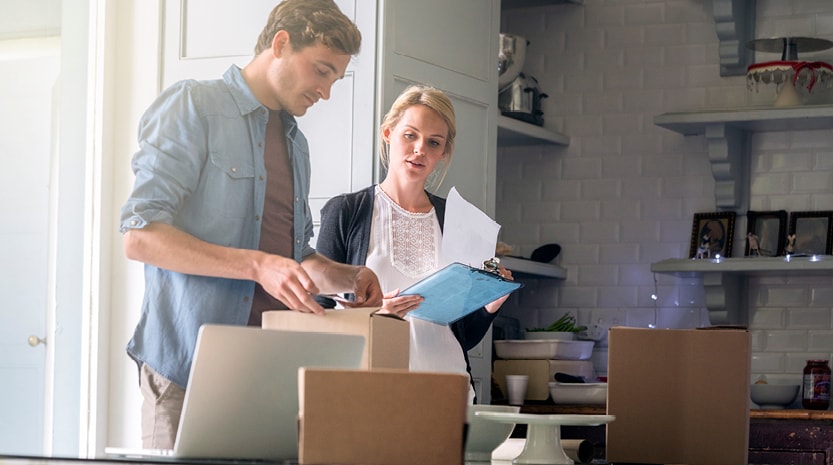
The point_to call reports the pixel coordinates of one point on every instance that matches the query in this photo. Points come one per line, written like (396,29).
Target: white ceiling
(22,19)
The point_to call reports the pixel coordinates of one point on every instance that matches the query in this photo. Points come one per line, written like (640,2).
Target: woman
(395,228)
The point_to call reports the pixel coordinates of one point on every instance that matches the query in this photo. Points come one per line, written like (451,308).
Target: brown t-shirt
(276,226)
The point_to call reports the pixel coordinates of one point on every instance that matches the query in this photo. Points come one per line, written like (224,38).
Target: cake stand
(543,435)
(788,75)
(789,71)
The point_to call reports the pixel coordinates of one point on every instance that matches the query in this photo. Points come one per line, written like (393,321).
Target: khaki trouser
(161,408)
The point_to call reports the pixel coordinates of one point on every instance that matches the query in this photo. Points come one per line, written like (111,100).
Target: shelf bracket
(726,298)
(735,24)
(728,148)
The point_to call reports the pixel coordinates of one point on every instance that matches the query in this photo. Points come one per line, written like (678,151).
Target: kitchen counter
(789,436)
(41,460)
(786,414)
(792,414)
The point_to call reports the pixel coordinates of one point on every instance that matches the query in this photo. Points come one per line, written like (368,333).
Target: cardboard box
(381,417)
(388,336)
(540,373)
(679,396)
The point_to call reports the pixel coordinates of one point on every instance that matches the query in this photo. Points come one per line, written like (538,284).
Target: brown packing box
(388,336)
(540,373)
(679,396)
(381,417)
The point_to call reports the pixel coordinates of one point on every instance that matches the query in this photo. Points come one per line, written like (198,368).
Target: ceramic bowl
(773,396)
(579,393)
(557,335)
(484,436)
(543,349)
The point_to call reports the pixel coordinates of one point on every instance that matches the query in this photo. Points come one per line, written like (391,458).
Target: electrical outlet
(598,330)
(594,332)
(605,323)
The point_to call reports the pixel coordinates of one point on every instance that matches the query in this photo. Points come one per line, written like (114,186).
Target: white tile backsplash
(808,318)
(767,318)
(618,296)
(817,181)
(622,195)
(769,362)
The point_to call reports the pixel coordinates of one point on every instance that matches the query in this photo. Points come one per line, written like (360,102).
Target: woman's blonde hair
(434,99)
(308,21)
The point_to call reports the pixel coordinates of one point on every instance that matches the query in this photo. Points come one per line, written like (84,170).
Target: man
(219,212)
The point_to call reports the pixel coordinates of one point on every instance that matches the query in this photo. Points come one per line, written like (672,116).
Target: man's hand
(334,277)
(288,282)
(366,288)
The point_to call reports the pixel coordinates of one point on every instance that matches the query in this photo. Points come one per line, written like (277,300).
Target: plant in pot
(564,328)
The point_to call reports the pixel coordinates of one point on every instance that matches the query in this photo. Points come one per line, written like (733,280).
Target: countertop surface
(776,414)
(792,414)
(511,448)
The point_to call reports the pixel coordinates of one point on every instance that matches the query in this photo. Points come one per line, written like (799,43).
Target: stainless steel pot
(511,58)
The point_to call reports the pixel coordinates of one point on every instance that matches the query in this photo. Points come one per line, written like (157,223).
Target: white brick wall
(622,195)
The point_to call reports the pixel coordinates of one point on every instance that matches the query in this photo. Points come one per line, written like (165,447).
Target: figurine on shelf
(752,242)
(790,247)
(704,250)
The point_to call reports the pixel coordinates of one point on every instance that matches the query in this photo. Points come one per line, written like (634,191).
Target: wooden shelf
(724,280)
(750,266)
(512,4)
(521,267)
(513,132)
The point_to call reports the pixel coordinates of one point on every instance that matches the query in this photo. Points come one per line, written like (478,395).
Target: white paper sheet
(469,235)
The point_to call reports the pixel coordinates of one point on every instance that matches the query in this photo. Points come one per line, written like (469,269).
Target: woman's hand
(400,305)
(494,306)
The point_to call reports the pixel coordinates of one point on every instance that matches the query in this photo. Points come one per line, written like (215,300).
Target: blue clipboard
(457,290)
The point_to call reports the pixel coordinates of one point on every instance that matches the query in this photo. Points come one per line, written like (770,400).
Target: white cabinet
(727,132)
(452,46)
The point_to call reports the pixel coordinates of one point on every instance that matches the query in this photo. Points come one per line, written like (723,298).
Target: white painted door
(452,46)
(25,243)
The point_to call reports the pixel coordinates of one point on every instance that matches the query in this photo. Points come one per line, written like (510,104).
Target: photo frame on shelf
(813,233)
(712,234)
(767,230)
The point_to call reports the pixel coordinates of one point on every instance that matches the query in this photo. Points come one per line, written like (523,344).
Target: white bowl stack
(540,359)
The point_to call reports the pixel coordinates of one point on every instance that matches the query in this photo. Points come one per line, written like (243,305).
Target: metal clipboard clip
(492,265)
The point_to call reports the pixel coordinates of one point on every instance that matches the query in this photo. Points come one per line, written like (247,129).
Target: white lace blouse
(404,248)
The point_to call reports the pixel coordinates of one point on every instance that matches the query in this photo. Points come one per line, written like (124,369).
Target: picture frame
(712,235)
(767,229)
(810,232)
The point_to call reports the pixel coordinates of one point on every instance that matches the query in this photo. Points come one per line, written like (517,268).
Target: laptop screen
(242,396)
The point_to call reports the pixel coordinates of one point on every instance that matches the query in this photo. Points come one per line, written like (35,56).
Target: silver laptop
(242,396)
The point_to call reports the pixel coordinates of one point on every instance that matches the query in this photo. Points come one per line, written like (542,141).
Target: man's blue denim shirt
(200,168)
